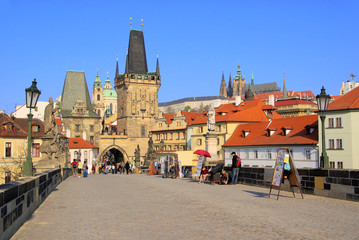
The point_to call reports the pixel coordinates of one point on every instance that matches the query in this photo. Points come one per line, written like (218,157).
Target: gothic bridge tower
(137,91)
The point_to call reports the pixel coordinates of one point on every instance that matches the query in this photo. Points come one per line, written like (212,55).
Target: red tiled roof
(247,111)
(191,116)
(169,117)
(19,127)
(75,143)
(291,93)
(293,102)
(350,100)
(258,132)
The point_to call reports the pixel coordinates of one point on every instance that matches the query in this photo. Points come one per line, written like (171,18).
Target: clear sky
(314,42)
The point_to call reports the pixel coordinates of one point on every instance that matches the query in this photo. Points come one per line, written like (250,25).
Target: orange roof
(247,111)
(169,117)
(350,100)
(190,116)
(76,143)
(258,135)
(291,93)
(293,102)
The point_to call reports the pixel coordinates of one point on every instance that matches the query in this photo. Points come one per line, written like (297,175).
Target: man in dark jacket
(235,168)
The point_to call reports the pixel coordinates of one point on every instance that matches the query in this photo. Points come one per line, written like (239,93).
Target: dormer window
(310,129)
(245,133)
(286,131)
(75,143)
(35,128)
(270,132)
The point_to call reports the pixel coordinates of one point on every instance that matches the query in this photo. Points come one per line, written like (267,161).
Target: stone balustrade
(18,200)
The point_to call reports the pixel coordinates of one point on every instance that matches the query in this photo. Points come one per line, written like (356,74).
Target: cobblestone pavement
(150,207)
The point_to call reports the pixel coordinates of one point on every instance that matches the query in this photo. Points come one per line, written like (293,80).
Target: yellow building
(170,131)
(228,117)
(13,139)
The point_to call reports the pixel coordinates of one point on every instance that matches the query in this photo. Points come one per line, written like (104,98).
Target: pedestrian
(74,166)
(113,169)
(93,169)
(85,169)
(79,168)
(127,166)
(236,164)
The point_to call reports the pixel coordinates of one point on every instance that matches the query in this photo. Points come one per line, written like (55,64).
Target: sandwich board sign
(199,166)
(284,157)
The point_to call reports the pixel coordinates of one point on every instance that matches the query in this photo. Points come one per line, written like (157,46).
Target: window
(331,164)
(331,143)
(99,112)
(159,124)
(36,149)
(35,128)
(8,149)
(219,128)
(76,154)
(183,135)
(111,107)
(199,142)
(85,155)
(91,139)
(269,154)
(165,136)
(169,147)
(255,154)
(98,97)
(91,128)
(200,130)
(77,127)
(178,124)
(338,121)
(330,122)
(217,141)
(143,131)
(339,144)
(157,137)
(340,165)
(307,154)
(247,154)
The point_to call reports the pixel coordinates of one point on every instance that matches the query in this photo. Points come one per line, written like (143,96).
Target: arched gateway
(117,154)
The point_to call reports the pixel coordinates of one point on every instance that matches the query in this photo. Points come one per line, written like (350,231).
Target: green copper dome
(97,82)
(108,91)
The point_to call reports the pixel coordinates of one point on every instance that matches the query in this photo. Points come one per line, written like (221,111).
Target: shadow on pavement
(257,194)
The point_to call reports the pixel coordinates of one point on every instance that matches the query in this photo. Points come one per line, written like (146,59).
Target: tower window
(98,97)
(143,131)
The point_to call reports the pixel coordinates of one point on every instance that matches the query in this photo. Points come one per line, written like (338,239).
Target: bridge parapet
(18,200)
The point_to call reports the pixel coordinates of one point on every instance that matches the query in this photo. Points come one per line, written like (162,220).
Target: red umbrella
(202,152)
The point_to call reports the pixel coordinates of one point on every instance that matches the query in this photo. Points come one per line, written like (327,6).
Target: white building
(257,143)
(21,111)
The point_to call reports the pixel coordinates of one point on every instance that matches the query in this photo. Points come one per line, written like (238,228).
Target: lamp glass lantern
(32,95)
(323,100)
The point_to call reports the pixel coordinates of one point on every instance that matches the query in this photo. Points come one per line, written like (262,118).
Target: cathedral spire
(157,66)
(252,80)
(116,74)
(285,94)
(223,89)
(239,74)
(230,87)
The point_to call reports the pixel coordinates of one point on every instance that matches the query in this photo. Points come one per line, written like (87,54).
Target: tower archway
(115,154)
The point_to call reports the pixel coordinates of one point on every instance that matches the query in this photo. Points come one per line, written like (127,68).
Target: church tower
(137,91)
(223,90)
(230,87)
(238,83)
(97,98)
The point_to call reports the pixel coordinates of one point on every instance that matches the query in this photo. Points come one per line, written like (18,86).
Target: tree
(187,109)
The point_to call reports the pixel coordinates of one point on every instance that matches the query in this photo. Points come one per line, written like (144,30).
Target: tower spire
(252,80)
(285,94)
(157,66)
(116,74)
(239,74)
(223,89)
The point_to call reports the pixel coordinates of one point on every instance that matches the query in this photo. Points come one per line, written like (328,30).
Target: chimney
(271,100)
(238,101)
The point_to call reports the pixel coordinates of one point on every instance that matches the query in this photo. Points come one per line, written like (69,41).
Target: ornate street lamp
(32,95)
(323,101)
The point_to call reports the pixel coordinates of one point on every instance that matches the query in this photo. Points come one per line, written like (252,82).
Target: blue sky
(314,42)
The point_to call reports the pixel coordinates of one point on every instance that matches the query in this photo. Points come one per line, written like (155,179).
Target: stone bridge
(151,207)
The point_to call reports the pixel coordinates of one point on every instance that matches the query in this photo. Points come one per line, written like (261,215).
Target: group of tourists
(229,177)
(79,169)
(107,167)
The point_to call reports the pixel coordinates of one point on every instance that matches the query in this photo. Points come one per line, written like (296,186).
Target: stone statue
(211,121)
(151,153)
(49,118)
(137,156)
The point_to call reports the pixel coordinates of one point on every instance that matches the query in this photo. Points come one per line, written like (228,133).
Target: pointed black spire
(126,68)
(230,87)
(116,74)
(137,62)
(223,89)
(157,66)
(285,94)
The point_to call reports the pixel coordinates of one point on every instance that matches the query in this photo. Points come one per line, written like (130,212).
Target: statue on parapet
(211,120)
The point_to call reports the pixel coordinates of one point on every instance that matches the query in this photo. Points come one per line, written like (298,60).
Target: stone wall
(332,183)
(18,200)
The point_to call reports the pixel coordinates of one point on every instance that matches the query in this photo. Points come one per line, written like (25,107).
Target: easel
(294,179)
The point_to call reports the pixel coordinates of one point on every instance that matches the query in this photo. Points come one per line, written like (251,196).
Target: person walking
(74,166)
(79,168)
(93,169)
(236,163)
(85,169)
(127,166)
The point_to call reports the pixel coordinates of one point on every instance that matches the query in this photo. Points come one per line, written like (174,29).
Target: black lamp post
(323,101)
(32,95)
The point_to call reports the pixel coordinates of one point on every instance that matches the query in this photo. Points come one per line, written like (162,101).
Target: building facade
(257,144)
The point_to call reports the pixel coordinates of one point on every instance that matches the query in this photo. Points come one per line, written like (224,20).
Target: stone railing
(332,183)
(18,200)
